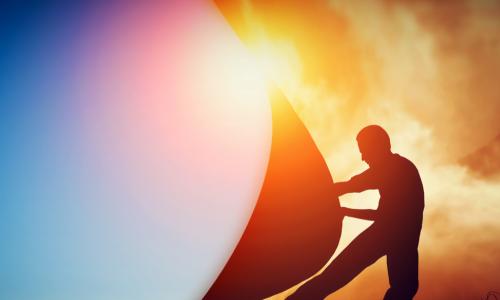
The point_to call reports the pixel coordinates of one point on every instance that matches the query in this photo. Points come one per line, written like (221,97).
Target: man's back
(401,201)
(401,193)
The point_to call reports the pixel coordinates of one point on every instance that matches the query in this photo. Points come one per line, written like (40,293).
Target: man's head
(374,145)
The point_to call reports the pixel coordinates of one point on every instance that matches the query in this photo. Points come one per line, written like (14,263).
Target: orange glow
(427,73)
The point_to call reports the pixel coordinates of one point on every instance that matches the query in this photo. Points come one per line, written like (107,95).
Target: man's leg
(363,251)
(402,266)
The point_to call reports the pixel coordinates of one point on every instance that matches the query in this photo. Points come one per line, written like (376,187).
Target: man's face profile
(370,153)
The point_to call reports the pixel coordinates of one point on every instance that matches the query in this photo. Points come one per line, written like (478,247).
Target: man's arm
(341,188)
(366,214)
(358,183)
(362,182)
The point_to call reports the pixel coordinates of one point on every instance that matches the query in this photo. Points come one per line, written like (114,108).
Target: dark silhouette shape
(396,230)
(296,224)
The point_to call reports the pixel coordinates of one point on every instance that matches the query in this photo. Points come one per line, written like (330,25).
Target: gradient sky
(127,134)
(428,72)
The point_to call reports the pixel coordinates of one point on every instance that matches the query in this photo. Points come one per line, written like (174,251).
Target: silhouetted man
(396,230)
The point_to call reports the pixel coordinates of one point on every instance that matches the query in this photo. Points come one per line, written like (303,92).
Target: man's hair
(376,136)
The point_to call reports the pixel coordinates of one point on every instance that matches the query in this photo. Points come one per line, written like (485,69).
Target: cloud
(485,162)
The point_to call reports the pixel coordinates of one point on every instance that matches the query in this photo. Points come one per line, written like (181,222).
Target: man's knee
(316,289)
(404,291)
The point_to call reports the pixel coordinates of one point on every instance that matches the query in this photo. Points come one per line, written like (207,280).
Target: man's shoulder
(404,162)
(401,158)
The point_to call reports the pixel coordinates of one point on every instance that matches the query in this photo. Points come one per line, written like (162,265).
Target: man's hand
(344,211)
(365,214)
